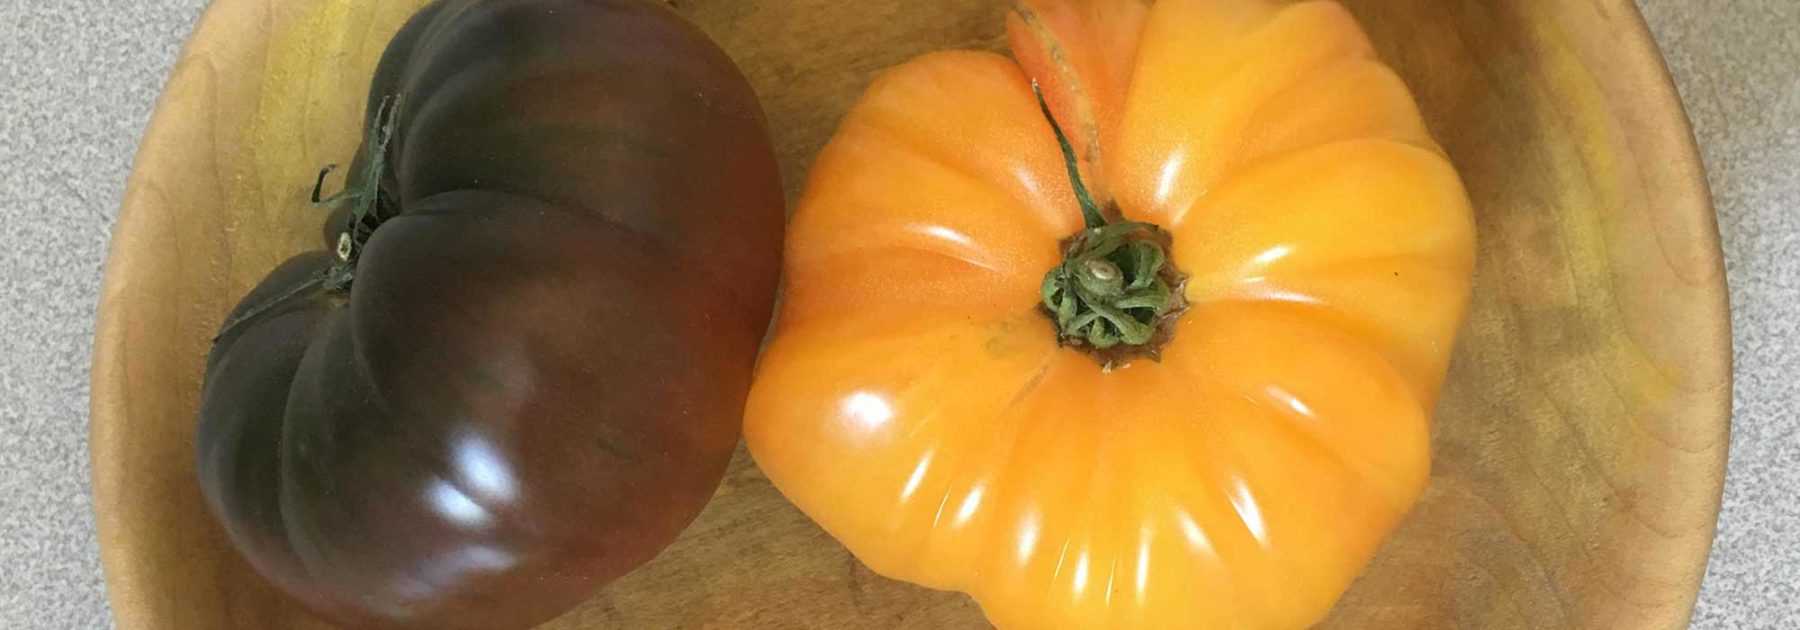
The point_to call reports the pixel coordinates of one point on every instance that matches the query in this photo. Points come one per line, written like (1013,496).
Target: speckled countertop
(78,77)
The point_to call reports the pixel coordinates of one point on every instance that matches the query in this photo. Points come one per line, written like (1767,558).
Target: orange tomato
(917,400)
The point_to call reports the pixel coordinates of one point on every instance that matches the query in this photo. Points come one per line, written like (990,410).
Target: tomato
(520,372)
(1193,391)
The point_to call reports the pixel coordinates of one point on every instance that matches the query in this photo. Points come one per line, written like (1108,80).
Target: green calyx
(367,210)
(1114,287)
(1116,291)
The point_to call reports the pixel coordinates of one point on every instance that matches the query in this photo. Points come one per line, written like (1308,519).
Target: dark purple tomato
(526,372)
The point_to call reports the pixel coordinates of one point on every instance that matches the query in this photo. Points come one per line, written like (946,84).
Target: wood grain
(1580,443)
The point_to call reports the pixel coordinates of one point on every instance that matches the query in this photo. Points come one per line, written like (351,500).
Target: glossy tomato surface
(915,399)
(537,377)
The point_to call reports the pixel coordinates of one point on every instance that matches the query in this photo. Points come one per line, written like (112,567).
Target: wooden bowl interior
(1579,446)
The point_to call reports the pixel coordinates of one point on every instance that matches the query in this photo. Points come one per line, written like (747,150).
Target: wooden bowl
(1580,444)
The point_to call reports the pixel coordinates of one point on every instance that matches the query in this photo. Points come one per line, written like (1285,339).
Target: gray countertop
(78,78)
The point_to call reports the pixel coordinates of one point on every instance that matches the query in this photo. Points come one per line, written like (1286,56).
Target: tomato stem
(1090,211)
(1116,292)
(368,207)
